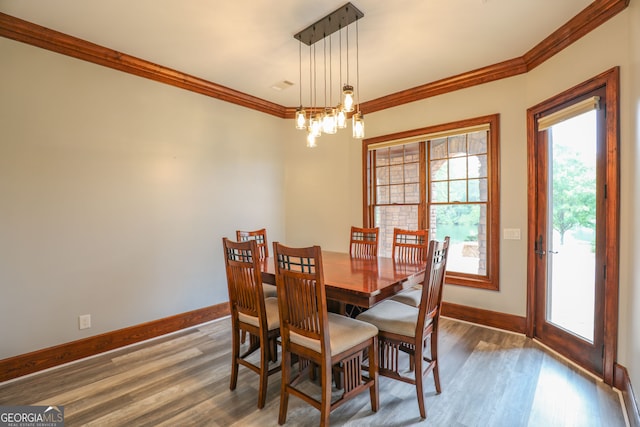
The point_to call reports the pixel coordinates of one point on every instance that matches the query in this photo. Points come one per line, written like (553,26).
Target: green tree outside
(574,197)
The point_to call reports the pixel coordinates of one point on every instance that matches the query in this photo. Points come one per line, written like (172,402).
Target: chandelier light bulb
(301,118)
(329,121)
(311,140)
(358,125)
(341,117)
(347,98)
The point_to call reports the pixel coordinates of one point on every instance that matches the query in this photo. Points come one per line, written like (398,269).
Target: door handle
(538,248)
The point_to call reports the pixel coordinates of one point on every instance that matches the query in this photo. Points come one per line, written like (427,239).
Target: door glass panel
(572,217)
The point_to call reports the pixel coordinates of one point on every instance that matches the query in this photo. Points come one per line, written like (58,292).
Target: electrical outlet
(84,321)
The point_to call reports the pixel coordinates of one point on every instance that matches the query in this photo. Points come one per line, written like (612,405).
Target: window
(444,179)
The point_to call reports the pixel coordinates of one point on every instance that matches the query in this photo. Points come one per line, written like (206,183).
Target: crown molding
(588,19)
(36,35)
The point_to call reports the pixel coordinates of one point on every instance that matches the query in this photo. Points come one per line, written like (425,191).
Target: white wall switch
(511,234)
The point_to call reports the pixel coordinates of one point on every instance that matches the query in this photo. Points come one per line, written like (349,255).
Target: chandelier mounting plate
(336,20)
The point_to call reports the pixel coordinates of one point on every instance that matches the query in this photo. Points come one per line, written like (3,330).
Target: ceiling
(248,45)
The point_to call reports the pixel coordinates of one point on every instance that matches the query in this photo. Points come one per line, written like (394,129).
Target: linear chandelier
(328,118)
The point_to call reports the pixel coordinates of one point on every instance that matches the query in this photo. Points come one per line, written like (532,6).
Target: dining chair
(410,246)
(260,236)
(251,313)
(317,338)
(364,242)
(408,329)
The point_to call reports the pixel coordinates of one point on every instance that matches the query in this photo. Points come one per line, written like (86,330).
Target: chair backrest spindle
(410,245)
(364,242)
(260,236)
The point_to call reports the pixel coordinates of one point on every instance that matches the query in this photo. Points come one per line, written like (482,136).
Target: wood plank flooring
(489,378)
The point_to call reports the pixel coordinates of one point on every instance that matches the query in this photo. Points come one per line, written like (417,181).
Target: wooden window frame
(491,280)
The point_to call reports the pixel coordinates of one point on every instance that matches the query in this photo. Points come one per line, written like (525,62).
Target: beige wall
(630,299)
(115,192)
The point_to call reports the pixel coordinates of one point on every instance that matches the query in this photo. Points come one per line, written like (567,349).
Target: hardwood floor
(489,378)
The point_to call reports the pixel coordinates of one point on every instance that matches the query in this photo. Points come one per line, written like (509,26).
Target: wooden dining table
(359,281)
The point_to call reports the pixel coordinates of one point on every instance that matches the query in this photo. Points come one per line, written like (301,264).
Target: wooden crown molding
(36,35)
(588,19)
(594,15)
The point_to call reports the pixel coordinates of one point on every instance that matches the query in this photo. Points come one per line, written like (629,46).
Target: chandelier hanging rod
(339,18)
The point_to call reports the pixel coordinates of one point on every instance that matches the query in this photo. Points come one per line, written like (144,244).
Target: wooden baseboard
(38,360)
(622,382)
(508,322)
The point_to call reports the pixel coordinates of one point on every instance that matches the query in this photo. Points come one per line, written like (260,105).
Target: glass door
(570,259)
(571,237)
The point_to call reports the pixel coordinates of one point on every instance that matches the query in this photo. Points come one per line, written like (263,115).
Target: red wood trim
(38,360)
(482,75)
(508,322)
(27,32)
(623,383)
(609,79)
(587,20)
(611,309)
(590,18)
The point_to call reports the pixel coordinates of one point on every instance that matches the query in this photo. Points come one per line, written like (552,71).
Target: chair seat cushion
(410,297)
(392,316)
(273,317)
(344,333)
(269,290)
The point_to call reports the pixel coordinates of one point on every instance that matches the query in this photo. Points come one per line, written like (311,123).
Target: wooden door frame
(610,80)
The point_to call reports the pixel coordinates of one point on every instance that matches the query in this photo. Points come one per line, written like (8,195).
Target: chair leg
(265,353)
(285,364)
(325,405)
(434,358)
(235,353)
(418,360)
(373,375)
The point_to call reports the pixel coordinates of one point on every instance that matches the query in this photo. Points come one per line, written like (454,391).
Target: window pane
(439,170)
(397,176)
(474,191)
(382,195)
(466,227)
(411,172)
(396,154)
(440,192)
(412,193)
(458,191)
(412,152)
(438,148)
(458,168)
(478,142)
(457,145)
(382,176)
(478,166)
(382,157)
(389,217)
(397,193)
